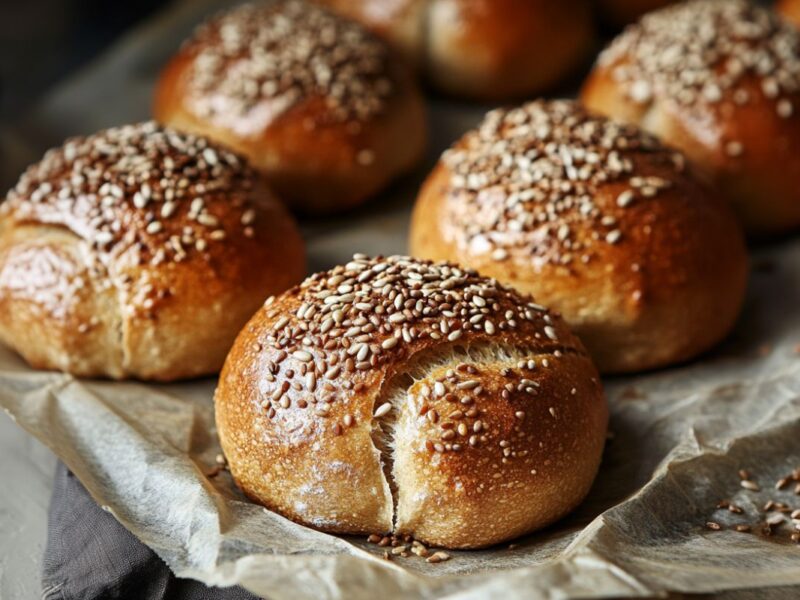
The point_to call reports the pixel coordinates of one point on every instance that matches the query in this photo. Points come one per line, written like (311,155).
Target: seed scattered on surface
(302,355)
(438,557)
(383,409)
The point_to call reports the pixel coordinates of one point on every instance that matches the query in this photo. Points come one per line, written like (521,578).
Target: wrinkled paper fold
(679,435)
(679,438)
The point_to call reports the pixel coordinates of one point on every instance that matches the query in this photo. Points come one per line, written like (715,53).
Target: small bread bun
(483,49)
(314,101)
(719,79)
(139,252)
(396,395)
(595,219)
(790,9)
(618,13)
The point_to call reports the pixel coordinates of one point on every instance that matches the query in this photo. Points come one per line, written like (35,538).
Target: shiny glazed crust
(743,136)
(355,404)
(654,277)
(103,282)
(790,9)
(321,152)
(483,49)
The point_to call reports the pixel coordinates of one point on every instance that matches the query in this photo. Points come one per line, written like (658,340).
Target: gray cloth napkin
(90,556)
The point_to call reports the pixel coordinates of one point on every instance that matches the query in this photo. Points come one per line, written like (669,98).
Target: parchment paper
(679,435)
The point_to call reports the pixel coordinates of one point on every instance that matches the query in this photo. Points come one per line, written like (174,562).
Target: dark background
(43,41)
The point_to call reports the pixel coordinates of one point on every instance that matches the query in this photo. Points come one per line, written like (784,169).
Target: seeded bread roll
(395,395)
(596,220)
(719,79)
(483,49)
(315,102)
(139,252)
(790,9)
(618,13)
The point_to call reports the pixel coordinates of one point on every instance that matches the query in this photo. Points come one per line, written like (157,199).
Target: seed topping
(527,180)
(283,52)
(329,345)
(141,187)
(708,52)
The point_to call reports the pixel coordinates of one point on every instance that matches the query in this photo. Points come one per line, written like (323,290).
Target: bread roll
(595,219)
(139,252)
(315,102)
(483,49)
(395,395)
(790,9)
(720,80)
(618,13)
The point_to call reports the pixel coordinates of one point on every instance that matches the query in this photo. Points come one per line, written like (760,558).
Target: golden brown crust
(790,9)
(328,133)
(141,258)
(309,396)
(541,450)
(621,12)
(741,128)
(484,49)
(647,284)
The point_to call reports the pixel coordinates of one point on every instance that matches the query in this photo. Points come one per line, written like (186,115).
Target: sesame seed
(365,157)
(389,343)
(734,149)
(468,384)
(302,355)
(785,109)
(438,557)
(775,520)
(454,335)
(383,409)
(499,254)
(625,198)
